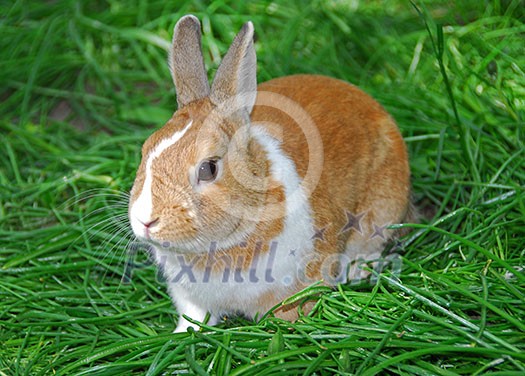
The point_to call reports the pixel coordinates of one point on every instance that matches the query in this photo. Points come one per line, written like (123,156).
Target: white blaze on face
(142,208)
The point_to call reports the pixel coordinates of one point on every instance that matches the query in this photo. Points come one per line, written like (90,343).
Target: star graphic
(353,222)
(319,234)
(378,231)
(396,246)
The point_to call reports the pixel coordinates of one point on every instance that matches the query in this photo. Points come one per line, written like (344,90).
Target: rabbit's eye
(207,171)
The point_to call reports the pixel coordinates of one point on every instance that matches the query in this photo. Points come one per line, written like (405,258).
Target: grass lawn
(82,85)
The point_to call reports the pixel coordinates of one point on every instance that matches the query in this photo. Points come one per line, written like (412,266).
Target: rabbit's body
(243,212)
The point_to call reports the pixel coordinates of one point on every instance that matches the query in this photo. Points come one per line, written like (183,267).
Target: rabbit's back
(342,140)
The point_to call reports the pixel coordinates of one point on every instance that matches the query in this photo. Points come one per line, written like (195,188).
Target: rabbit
(250,193)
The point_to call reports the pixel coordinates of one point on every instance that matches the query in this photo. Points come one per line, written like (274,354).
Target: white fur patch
(188,308)
(277,271)
(295,242)
(142,208)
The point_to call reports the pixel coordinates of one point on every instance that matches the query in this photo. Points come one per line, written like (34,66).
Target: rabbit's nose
(151,223)
(147,227)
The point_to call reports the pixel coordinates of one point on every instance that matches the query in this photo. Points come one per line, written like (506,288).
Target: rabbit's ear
(236,80)
(186,62)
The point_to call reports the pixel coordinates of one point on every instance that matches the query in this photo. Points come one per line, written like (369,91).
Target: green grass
(84,83)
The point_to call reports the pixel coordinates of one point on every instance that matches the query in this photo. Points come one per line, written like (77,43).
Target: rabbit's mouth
(197,243)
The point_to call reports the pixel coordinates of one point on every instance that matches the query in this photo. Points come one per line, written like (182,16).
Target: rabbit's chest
(227,285)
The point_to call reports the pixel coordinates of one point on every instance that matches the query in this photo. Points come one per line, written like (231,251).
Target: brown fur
(365,166)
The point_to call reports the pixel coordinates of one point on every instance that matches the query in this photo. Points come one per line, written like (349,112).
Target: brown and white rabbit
(250,193)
